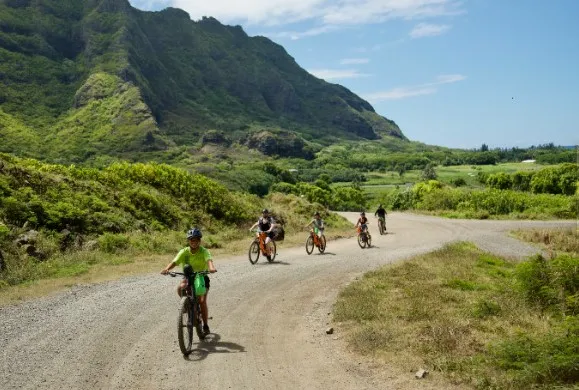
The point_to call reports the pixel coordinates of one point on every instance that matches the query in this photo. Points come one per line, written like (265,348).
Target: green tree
(429,173)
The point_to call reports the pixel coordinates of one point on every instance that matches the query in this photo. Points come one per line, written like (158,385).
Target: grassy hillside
(58,220)
(97,77)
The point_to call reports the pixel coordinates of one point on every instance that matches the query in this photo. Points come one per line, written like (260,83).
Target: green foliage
(111,79)
(501,181)
(556,180)
(111,243)
(429,173)
(119,198)
(433,196)
(552,285)
(460,312)
(547,360)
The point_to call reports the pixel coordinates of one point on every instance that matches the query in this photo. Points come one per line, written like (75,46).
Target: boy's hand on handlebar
(165,272)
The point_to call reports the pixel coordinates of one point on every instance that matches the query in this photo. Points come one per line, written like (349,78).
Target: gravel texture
(269,320)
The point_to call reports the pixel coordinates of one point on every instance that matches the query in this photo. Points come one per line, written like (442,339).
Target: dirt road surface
(268,325)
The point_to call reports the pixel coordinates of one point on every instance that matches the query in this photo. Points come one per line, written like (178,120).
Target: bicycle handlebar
(173,274)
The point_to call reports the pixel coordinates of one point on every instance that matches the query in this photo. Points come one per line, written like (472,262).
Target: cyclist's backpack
(278,233)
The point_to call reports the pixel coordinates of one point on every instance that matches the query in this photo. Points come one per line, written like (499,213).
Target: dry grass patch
(458,311)
(562,240)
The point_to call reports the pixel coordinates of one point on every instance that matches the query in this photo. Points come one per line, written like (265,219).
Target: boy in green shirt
(199,259)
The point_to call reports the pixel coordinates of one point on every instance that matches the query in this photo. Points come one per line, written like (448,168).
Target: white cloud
(151,4)
(294,35)
(320,12)
(399,93)
(449,78)
(428,30)
(354,61)
(416,90)
(332,74)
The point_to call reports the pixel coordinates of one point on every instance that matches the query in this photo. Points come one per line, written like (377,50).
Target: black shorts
(206,277)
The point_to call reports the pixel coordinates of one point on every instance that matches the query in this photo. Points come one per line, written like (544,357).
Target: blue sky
(450,73)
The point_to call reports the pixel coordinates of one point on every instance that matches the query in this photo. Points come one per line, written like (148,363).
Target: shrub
(552,285)
(111,243)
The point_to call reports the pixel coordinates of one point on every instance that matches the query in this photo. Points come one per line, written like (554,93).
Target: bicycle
(315,240)
(364,238)
(189,311)
(258,247)
(382,225)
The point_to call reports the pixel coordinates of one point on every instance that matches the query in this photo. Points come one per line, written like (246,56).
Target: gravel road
(268,325)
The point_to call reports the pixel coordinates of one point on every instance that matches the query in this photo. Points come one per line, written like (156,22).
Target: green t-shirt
(199,260)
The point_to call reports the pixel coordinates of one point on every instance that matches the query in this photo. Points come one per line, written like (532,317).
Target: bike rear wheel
(254,252)
(322,246)
(362,240)
(185,326)
(272,251)
(309,245)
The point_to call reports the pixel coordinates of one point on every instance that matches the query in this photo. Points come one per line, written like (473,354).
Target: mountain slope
(89,77)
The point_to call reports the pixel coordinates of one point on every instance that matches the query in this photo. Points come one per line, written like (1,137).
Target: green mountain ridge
(82,78)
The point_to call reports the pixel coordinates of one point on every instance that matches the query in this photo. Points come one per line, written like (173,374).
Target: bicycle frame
(315,238)
(261,236)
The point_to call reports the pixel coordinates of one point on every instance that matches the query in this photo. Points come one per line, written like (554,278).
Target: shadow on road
(326,253)
(212,344)
(275,262)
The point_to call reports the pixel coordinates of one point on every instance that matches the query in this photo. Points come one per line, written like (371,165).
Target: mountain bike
(314,240)
(258,247)
(382,225)
(364,238)
(189,311)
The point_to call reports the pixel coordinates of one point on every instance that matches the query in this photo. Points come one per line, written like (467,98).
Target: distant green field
(379,182)
(445,174)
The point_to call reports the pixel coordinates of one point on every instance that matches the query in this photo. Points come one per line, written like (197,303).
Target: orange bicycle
(315,240)
(258,247)
(364,238)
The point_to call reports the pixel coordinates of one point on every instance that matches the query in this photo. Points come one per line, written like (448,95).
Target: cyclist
(199,258)
(381,213)
(363,223)
(266,224)
(318,224)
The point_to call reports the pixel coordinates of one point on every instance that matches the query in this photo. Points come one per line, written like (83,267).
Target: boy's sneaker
(206,329)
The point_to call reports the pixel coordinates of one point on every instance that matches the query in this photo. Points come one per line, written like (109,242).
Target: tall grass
(468,315)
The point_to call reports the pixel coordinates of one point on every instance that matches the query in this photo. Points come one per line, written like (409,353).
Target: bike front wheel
(309,245)
(322,246)
(254,252)
(362,240)
(185,326)
(272,251)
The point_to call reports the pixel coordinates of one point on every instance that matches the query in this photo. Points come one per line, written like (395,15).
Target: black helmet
(362,213)
(265,211)
(317,214)
(194,233)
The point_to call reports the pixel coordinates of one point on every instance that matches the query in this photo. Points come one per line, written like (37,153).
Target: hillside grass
(60,222)
(472,317)
(136,254)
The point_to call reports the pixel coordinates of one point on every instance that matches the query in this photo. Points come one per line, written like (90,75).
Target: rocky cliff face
(100,77)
